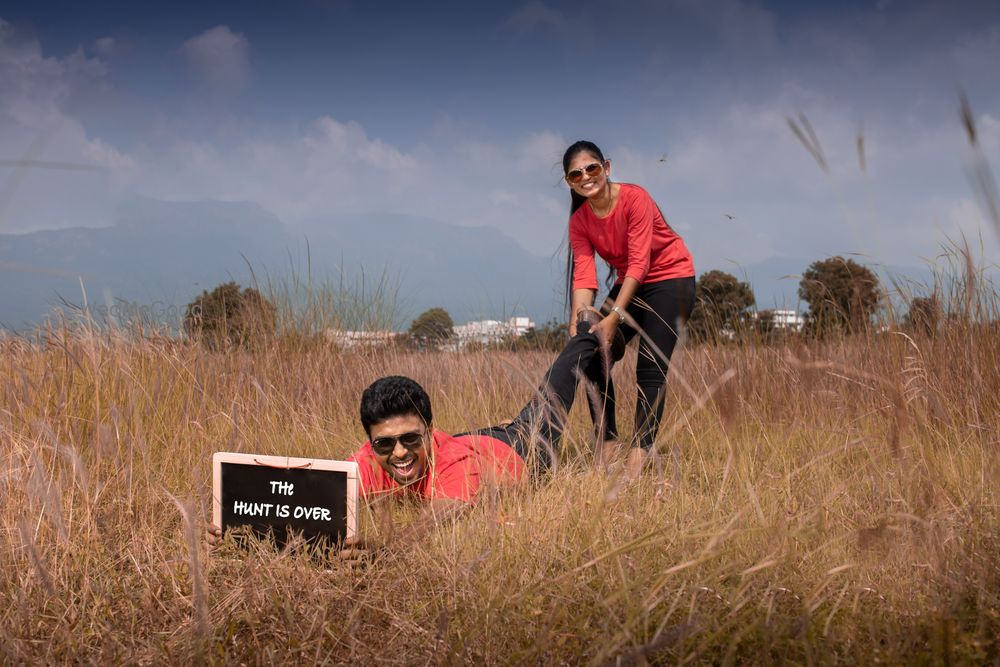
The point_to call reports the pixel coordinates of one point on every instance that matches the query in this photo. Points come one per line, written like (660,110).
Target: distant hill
(158,255)
(473,272)
(162,254)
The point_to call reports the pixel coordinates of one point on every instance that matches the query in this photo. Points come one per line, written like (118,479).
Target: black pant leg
(598,373)
(540,424)
(660,309)
(601,399)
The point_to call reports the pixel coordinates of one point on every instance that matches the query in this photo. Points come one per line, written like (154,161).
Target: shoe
(587,319)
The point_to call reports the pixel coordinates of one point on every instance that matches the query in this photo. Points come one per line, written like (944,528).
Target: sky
(460,111)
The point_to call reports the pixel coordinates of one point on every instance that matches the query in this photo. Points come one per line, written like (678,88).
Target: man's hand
(213,535)
(356,553)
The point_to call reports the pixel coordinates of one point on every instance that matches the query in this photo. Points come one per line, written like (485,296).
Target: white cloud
(744,160)
(349,141)
(220,58)
(960,219)
(541,150)
(734,155)
(33,88)
(38,98)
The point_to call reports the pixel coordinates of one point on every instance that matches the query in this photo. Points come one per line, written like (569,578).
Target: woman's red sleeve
(640,215)
(584,267)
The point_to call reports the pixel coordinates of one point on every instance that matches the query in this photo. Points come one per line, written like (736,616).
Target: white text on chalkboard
(252,509)
(242,508)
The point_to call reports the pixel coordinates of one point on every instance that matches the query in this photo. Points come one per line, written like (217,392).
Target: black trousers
(534,434)
(658,310)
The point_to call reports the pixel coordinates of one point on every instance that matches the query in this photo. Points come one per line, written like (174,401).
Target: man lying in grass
(406,457)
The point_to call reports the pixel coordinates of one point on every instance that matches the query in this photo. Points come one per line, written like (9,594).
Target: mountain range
(158,256)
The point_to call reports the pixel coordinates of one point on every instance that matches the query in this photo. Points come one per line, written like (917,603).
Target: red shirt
(634,239)
(458,467)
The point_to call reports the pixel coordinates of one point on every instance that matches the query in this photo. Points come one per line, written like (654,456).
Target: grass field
(831,502)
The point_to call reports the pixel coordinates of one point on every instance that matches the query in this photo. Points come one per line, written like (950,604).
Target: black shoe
(587,320)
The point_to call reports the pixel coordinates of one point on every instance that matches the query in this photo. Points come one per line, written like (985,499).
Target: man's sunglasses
(385,445)
(592,169)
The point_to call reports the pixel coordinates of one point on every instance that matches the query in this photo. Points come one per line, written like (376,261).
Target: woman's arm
(584,273)
(616,309)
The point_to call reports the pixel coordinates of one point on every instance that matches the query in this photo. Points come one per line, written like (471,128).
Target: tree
(842,295)
(925,315)
(430,329)
(229,316)
(722,306)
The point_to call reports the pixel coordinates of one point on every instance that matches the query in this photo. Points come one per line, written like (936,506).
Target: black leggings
(534,434)
(657,309)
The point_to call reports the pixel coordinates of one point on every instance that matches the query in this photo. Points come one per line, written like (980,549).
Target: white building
(788,319)
(488,332)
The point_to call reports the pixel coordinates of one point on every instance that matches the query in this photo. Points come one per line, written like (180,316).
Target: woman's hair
(582,146)
(575,202)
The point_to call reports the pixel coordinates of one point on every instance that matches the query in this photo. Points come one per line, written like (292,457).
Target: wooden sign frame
(287,463)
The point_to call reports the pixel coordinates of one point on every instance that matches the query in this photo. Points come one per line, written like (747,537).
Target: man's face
(405,464)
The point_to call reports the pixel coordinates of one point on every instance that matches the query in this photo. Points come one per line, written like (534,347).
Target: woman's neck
(602,203)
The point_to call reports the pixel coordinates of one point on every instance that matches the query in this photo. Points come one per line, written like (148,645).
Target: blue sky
(460,111)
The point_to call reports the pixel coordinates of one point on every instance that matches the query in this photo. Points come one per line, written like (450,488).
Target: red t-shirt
(634,239)
(458,467)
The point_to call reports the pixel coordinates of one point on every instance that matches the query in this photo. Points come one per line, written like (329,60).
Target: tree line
(842,295)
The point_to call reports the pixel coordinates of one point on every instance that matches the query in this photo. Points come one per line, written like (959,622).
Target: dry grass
(833,503)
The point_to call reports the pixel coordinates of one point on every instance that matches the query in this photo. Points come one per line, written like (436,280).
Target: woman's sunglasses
(592,169)
(385,445)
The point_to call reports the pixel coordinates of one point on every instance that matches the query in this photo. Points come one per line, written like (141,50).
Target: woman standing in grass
(652,295)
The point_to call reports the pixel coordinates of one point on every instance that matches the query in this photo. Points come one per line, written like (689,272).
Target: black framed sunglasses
(386,444)
(592,169)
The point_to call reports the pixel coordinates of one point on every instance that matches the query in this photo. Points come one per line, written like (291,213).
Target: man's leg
(535,432)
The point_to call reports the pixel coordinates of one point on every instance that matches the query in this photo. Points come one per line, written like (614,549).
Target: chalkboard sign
(277,495)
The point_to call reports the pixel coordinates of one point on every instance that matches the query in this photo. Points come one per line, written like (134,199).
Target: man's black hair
(393,396)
